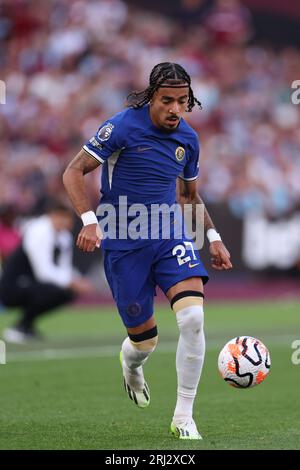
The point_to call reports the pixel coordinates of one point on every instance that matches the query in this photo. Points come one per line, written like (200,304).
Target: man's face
(167,107)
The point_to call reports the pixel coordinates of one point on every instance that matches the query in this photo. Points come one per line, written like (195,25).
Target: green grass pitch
(67,392)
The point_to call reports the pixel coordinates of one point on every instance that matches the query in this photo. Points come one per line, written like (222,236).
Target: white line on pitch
(111,351)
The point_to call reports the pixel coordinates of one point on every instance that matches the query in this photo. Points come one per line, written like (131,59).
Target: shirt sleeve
(107,140)
(38,244)
(191,169)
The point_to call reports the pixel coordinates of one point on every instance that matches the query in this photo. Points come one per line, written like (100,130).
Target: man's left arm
(188,194)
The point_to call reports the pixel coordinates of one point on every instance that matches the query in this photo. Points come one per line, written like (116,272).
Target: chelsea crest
(180,154)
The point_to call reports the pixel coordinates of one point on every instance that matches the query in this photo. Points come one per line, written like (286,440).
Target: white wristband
(89,218)
(213,235)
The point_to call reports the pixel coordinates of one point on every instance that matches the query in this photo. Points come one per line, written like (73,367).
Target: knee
(191,319)
(188,307)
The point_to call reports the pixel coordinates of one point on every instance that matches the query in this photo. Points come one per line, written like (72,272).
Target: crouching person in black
(39,277)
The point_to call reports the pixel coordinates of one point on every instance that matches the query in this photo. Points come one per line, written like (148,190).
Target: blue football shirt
(140,163)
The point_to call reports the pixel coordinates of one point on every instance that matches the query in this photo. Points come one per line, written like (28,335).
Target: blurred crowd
(69,64)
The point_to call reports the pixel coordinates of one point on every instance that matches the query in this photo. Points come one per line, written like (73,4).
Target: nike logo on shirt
(193,265)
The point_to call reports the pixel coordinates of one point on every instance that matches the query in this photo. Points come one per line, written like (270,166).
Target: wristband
(89,218)
(213,235)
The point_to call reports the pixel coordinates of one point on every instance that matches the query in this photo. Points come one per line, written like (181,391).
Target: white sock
(133,360)
(189,359)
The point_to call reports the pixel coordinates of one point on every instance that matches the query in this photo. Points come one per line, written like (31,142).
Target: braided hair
(164,74)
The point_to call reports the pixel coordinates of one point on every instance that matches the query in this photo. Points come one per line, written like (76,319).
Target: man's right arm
(73,179)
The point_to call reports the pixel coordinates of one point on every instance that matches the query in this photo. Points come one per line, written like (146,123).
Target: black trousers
(34,298)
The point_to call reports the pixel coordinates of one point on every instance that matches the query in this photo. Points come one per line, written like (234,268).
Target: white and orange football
(244,362)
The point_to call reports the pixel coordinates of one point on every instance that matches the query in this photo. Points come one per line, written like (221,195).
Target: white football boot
(140,397)
(185,429)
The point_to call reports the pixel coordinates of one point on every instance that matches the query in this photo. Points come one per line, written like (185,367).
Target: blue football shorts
(134,274)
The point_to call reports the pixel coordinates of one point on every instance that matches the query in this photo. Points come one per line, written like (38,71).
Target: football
(244,362)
